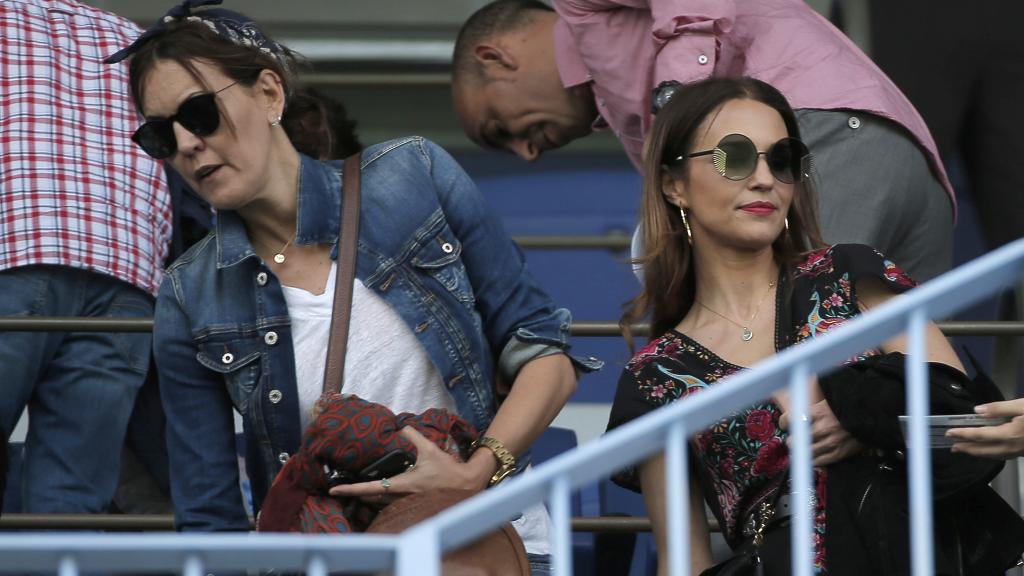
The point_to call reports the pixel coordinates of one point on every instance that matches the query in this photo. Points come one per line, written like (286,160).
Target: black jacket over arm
(976,532)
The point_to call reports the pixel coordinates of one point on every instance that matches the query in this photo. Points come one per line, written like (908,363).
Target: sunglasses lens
(786,159)
(740,157)
(156,138)
(199,114)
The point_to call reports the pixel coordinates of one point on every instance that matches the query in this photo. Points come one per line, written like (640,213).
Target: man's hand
(830,443)
(1002,441)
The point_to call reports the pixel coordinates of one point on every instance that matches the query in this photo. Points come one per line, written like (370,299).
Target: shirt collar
(571,68)
(319,202)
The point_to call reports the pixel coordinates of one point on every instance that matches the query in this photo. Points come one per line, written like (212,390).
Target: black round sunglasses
(735,157)
(198,114)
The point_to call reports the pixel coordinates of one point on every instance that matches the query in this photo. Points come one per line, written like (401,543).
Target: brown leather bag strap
(348,238)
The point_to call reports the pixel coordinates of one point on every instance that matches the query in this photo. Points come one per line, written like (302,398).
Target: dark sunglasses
(197,114)
(735,157)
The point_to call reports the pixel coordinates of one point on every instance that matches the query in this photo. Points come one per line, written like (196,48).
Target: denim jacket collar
(318,196)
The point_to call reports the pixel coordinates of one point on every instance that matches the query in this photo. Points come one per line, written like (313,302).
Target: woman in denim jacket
(443,301)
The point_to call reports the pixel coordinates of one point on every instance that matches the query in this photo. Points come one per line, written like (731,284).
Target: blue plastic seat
(585,502)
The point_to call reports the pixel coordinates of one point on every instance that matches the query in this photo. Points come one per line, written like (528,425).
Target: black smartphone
(391,464)
(337,477)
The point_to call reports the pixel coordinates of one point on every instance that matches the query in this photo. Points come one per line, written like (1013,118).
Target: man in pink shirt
(528,79)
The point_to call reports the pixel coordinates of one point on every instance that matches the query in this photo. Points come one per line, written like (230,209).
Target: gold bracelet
(506,461)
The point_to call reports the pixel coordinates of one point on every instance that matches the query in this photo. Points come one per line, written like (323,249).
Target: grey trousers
(875,187)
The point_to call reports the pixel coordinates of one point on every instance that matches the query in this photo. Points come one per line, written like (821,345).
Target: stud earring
(276,121)
(689,234)
(786,222)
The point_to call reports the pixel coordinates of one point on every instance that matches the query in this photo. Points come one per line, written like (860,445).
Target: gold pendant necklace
(747,334)
(279,255)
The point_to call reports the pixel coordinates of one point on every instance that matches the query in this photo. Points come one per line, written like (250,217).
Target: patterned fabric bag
(348,435)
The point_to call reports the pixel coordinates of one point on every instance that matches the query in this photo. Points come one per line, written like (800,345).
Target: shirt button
(227,358)
(283,457)
(270,338)
(261,278)
(853,122)
(274,396)
(600,102)
(702,59)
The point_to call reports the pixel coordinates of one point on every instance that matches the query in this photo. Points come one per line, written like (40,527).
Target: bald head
(506,86)
(493,20)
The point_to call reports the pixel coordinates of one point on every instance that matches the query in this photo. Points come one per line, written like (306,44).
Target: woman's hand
(1002,441)
(830,442)
(434,468)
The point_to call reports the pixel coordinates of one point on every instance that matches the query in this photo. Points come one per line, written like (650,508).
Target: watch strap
(506,461)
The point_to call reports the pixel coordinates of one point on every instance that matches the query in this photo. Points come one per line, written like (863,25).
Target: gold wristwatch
(506,461)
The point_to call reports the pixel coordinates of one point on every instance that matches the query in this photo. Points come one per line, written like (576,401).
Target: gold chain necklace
(747,335)
(279,255)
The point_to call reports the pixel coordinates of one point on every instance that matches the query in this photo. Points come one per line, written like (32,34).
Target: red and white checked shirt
(74,189)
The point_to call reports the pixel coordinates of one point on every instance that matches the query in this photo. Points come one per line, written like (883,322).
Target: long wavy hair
(667,258)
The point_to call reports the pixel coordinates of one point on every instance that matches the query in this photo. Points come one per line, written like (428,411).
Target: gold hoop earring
(276,121)
(689,234)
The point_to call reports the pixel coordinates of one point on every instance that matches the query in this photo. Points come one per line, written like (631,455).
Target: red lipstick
(759,208)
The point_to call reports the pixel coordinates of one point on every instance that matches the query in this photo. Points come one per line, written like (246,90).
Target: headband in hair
(230,25)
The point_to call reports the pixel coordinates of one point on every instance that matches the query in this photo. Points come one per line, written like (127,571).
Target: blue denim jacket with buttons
(428,245)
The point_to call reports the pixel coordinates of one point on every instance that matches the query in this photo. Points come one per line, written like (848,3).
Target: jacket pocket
(236,359)
(440,258)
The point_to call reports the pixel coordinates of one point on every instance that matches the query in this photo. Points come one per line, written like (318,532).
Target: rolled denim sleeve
(200,425)
(520,321)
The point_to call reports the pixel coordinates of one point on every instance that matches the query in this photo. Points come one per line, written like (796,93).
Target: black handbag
(766,552)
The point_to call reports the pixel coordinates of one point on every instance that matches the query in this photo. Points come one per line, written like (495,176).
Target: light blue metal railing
(418,550)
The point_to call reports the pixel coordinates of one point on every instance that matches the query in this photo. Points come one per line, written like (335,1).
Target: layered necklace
(747,334)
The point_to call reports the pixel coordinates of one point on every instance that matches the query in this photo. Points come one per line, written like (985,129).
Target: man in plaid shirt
(84,227)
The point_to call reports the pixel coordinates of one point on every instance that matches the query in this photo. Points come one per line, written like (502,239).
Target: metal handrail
(578,328)
(165,522)
(614,241)
(418,550)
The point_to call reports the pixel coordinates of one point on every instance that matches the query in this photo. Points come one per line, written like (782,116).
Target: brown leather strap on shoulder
(348,238)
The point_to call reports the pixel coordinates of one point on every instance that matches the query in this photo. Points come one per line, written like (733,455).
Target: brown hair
(668,268)
(316,125)
(319,126)
(188,41)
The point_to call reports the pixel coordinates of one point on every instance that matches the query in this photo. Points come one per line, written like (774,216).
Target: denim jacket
(429,246)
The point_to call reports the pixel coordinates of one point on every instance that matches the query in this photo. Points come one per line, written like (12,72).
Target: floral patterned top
(743,458)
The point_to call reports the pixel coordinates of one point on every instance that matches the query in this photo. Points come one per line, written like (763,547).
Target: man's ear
(494,59)
(674,189)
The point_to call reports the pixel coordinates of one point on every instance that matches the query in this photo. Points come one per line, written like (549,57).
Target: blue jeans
(79,386)
(540,564)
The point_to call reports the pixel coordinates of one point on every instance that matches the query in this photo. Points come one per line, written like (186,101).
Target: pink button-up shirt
(627,47)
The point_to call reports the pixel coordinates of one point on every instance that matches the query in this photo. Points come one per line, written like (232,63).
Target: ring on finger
(386,484)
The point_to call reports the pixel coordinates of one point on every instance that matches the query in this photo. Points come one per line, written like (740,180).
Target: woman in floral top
(734,271)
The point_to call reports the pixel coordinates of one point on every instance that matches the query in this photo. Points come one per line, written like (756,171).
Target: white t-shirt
(384,363)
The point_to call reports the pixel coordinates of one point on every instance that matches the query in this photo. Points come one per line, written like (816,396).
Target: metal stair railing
(418,550)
